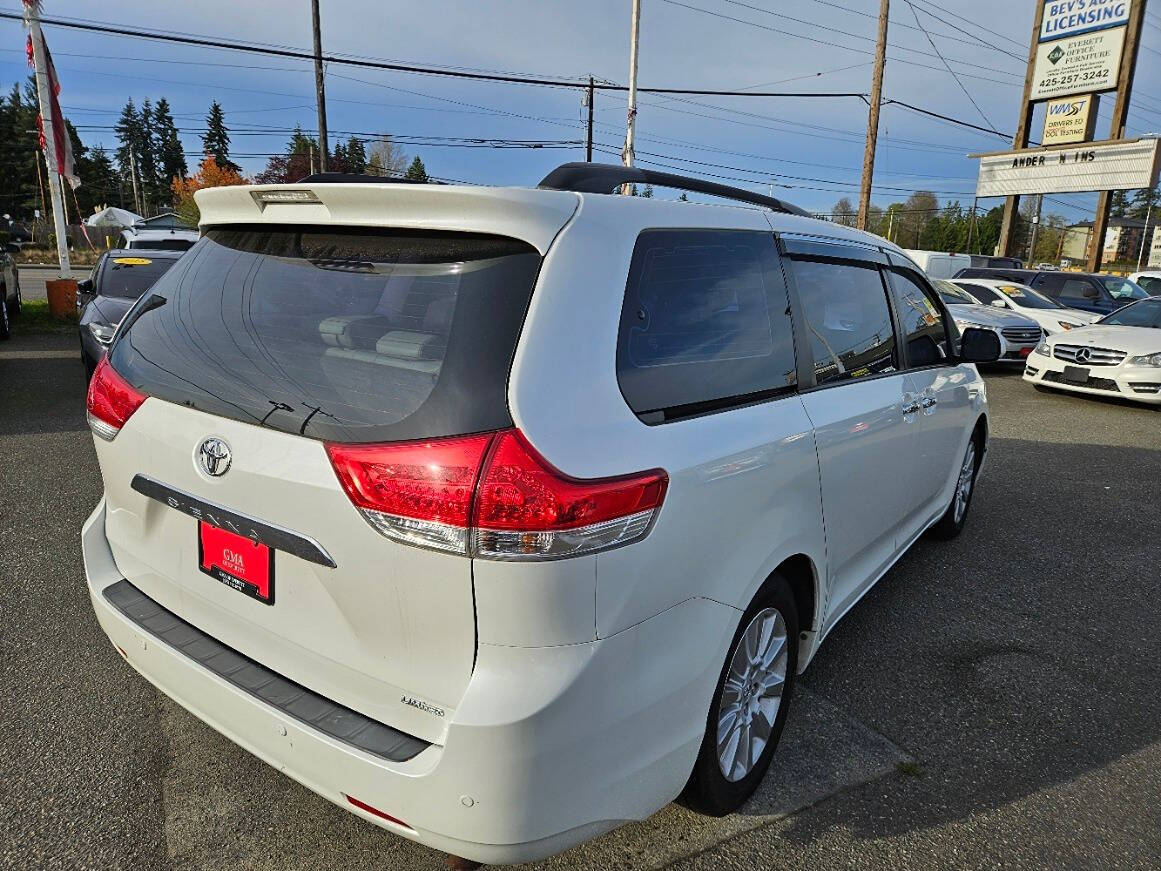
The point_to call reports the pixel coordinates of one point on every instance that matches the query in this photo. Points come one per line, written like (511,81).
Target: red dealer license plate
(237,562)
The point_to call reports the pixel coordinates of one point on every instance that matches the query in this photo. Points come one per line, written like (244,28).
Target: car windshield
(1122,288)
(129,277)
(1026,297)
(1139,314)
(953,295)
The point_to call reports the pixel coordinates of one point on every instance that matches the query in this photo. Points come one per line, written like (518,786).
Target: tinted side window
(848,320)
(981,292)
(705,319)
(1151,284)
(1078,290)
(923,326)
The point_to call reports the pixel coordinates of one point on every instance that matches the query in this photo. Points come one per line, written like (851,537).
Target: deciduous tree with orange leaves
(209,175)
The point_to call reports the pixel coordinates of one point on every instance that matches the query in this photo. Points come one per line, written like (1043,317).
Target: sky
(806,151)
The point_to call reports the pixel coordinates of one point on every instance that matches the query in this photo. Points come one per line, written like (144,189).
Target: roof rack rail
(602,178)
(356,178)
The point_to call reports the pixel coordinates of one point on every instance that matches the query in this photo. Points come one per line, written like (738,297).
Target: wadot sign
(1074,17)
(1069,120)
(1124,164)
(1078,64)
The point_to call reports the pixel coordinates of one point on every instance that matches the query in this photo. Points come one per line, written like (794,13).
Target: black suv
(1087,291)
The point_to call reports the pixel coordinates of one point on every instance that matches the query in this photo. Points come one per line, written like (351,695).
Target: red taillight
(434,494)
(111,401)
(416,492)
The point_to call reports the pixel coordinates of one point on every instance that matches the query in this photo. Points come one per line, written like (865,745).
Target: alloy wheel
(752,694)
(963,488)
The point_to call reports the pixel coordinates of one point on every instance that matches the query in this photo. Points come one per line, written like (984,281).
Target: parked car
(10,299)
(172,239)
(938,264)
(1048,313)
(1118,355)
(1150,281)
(117,281)
(1087,291)
(360,472)
(990,262)
(1017,334)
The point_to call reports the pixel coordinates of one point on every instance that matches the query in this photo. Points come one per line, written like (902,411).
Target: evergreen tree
(128,131)
(102,183)
(356,156)
(147,169)
(647,193)
(416,172)
(216,139)
(168,152)
(1118,204)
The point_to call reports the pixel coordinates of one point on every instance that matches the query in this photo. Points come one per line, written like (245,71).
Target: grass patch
(909,768)
(34,317)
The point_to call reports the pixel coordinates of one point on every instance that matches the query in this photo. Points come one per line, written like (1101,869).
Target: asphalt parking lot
(993,702)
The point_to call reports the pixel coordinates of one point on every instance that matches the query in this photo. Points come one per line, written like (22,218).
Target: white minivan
(501,517)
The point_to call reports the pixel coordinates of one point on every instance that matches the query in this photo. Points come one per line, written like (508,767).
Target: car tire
(954,518)
(755,690)
(5,325)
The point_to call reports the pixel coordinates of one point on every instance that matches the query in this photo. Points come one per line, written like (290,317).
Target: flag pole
(44,96)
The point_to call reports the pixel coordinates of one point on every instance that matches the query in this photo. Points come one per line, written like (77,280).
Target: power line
(296,54)
(782,32)
(966,92)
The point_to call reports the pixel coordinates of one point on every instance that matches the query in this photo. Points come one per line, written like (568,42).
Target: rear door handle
(911,408)
(928,402)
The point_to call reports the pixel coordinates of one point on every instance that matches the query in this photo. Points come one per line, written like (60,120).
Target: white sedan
(1051,315)
(1120,355)
(1018,335)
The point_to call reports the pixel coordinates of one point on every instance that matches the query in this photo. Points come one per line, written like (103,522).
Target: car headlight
(1043,349)
(1146,360)
(103,333)
(1066,325)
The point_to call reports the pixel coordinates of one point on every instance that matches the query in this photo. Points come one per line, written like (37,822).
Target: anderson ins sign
(1098,166)
(1070,17)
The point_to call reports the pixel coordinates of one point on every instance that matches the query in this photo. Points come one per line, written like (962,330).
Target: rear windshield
(129,277)
(340,334)
(162,244)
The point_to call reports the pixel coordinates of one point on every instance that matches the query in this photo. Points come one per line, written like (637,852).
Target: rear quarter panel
(743,491)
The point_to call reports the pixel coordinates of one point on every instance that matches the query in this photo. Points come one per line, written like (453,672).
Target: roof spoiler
(602,178)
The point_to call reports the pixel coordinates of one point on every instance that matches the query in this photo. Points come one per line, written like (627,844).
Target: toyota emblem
(1083,355)
(214,456)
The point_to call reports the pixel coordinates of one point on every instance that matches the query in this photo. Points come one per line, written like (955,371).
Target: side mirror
(999,303)
(1091,292)
(979,346)
(85,291)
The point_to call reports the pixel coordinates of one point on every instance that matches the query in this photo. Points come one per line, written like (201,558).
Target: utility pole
(972,223)
(1035,229)
(1100,221)
(44,97)
(133,175)
(873,116)
(1145,230)
(589,140)
(1020,139)
(627,154)
(319,88)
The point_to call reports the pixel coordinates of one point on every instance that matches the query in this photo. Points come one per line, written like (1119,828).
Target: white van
(938,264)
(500,517)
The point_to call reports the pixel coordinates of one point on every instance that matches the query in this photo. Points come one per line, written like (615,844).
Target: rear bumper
(549,747)
(1138,383)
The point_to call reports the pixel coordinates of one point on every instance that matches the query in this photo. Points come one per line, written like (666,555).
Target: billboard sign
(1074,17)
(1069,120)
(1077,64)
(1124,164)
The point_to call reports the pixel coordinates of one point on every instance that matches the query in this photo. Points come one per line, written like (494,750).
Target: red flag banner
(64,149)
